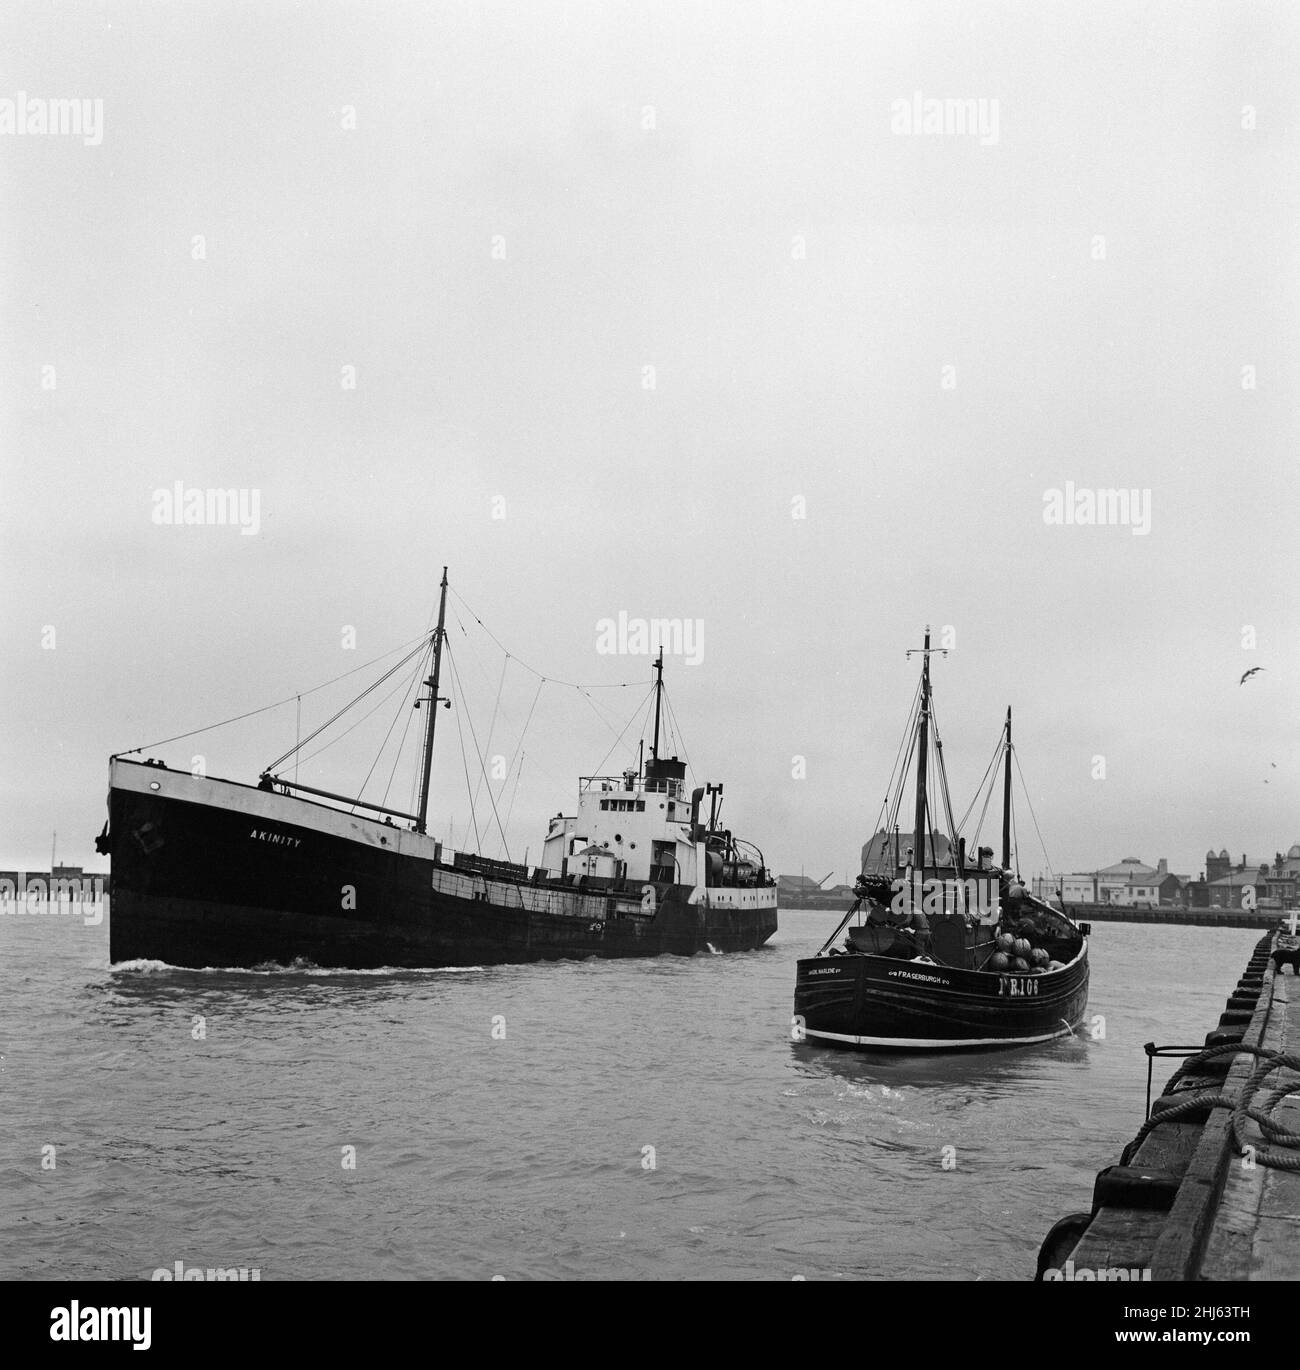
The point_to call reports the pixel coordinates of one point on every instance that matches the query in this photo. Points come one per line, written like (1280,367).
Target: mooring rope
(1243,1107)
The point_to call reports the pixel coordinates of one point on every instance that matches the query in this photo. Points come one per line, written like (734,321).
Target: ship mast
(659,691)
(1006,801)
(923,731)
(433,701)
(923,722)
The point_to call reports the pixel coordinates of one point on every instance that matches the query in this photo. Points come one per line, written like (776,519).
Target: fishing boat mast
(923,726)
(1006,798)
(433,701)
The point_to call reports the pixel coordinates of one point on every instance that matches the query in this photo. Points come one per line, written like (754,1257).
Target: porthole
(153,785)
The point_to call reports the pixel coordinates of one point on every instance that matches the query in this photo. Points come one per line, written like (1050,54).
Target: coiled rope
(1278,1139)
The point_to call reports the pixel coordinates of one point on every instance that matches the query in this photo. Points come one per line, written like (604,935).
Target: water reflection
(994,1072)
(152,987)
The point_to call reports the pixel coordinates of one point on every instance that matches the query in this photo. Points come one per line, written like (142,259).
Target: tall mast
(1006,801)
(659,691)
(431,722)
(924,726)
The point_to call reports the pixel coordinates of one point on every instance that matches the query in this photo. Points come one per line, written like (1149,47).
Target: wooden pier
(1204,1192)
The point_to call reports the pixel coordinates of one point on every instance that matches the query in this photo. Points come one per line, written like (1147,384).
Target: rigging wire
(908,741)
(481,668)
(617,685)
(943,781)
(473,817)
(424,644)
(677,733)
(929,830)
(993,760)
(514,794)
(482,766)
(592,703)
(988,799)
(351,704)
(626,726)
(401,745)
(542,679)
(558,782)
(505,716)
(492,724)
(401,706)
(266,708)
(1033,816)
(895,812)
(518,746)
(936,771)
(401,685)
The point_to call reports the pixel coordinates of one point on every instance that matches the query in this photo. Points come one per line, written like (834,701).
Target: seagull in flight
(1250,673)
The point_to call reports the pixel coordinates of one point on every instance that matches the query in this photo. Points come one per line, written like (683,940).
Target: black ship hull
(211,873)
(882,1003)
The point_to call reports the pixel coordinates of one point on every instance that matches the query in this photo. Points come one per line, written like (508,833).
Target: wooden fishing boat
(942,952)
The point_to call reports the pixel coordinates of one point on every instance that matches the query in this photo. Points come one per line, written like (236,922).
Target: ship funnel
(697,798)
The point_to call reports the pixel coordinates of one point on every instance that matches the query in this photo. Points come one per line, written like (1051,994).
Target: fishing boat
(213,872)
(942,950)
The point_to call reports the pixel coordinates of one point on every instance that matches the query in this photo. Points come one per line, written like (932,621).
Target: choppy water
(526,1156)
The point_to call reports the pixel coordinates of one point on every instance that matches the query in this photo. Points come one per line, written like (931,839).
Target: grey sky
(539,201)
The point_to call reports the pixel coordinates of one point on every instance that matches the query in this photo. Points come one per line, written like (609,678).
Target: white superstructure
(631,827)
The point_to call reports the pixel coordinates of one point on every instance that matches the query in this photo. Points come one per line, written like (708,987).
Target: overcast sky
(876,351)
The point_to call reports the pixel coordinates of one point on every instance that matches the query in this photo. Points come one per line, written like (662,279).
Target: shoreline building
(1273,885)
(1130,883)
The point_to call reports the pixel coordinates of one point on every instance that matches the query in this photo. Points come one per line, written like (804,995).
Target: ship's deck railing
(559,903)
(611,783)
(621,784)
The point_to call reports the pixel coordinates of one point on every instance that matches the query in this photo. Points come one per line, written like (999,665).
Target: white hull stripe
(267,806)
(938,1043)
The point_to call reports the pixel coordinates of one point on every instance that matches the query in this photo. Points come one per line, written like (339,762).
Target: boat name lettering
(916,975)
(1017,985)
(278,838)
(825,970)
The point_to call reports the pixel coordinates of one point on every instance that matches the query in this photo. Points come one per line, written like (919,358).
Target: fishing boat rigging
(945,948)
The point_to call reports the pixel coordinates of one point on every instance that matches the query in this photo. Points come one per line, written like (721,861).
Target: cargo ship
(943,952)
(209,872)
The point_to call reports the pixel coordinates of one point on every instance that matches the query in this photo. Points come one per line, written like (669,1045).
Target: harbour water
(578,1120)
